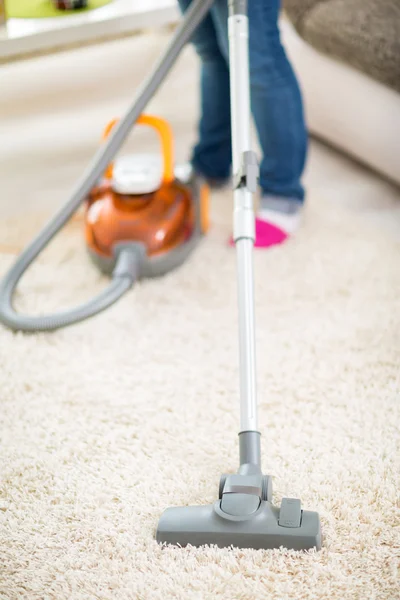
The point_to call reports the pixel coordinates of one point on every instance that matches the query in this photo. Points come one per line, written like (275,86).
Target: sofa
(346,54)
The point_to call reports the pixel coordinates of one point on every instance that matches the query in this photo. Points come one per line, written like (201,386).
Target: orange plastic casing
(160,220)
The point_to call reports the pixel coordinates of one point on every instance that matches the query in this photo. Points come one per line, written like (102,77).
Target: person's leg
(212,155)
(277,108)
(276,104)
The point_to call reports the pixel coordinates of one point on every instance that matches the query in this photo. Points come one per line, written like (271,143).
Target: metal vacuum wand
(243,516)
(245,169)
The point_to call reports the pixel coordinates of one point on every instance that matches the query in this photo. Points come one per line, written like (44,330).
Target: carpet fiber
(104,425)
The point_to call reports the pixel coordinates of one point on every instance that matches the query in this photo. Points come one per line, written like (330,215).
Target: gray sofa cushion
(362,33)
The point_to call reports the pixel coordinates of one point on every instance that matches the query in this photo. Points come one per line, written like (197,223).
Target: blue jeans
(276,101)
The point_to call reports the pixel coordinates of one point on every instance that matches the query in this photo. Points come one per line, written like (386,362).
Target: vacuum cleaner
(137,223)
(243,515)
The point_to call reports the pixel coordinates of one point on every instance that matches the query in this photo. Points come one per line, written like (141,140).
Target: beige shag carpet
(105,424)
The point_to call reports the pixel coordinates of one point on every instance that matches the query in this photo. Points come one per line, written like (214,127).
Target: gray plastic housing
(209,525)
(248,174)
(244,516)
(250,448)
(237,7)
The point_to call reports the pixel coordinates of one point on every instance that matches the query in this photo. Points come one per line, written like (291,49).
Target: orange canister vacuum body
(159,219)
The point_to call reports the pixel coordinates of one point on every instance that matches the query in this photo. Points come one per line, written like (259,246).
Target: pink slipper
(267,235)
(273,228)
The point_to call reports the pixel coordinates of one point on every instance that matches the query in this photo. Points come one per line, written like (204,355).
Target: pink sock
(274,227)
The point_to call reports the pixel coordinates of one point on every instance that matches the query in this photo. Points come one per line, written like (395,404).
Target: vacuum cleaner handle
(245,177)
(164,131)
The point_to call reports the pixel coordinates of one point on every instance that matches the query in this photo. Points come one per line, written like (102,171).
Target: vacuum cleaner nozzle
(242,518)
(244,515)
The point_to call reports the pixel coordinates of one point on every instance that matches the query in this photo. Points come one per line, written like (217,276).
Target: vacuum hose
(126,269)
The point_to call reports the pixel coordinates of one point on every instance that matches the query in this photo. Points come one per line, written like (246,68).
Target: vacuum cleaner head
(208,525)
(242,518)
